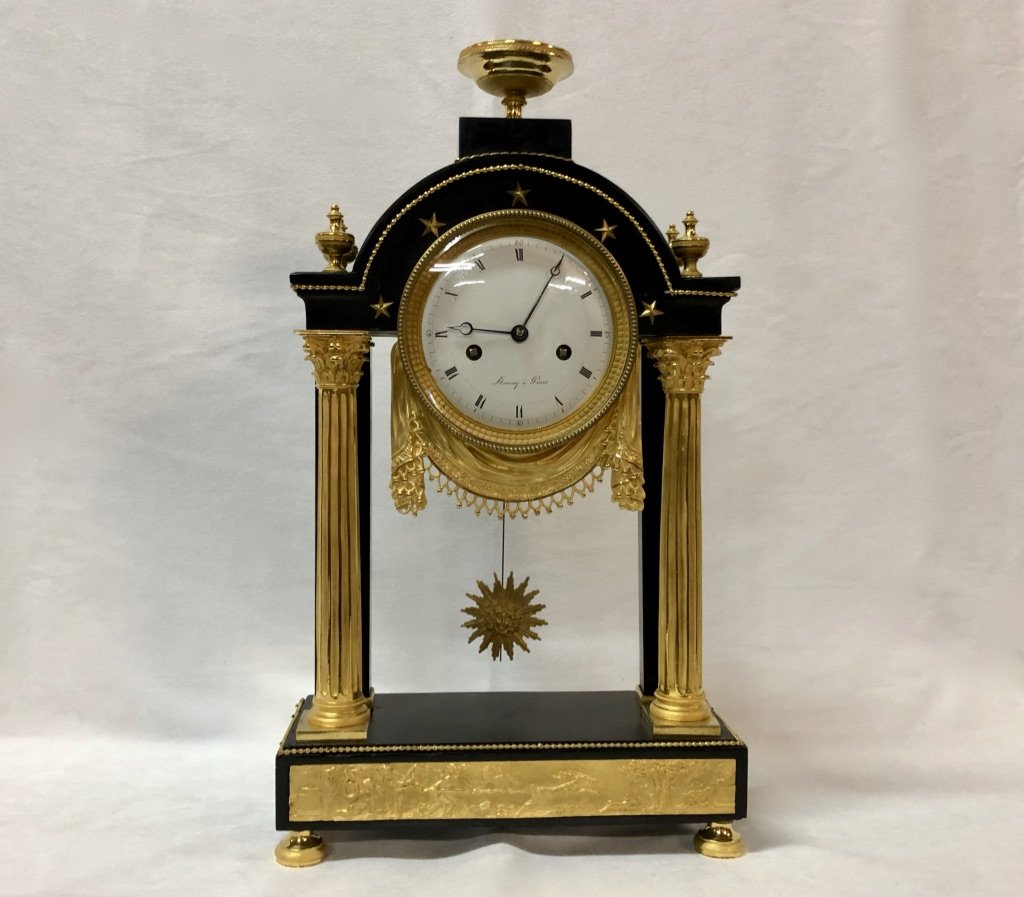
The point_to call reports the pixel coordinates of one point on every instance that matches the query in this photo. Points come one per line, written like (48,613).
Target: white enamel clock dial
(519,330)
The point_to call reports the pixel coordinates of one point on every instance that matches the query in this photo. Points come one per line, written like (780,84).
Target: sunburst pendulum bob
(503,616)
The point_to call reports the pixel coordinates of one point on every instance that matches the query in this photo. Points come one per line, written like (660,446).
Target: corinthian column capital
(683,361)
(337,356)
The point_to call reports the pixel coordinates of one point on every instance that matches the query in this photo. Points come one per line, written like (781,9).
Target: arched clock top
(368,297)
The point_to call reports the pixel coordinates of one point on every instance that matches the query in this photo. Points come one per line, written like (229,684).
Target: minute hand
(554,273)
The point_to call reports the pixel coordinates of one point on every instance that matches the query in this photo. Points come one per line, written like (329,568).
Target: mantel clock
(548,336)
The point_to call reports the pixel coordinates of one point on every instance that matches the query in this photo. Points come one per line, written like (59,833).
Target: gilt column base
(681,715)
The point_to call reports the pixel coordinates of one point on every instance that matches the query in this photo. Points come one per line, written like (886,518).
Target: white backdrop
(165,165)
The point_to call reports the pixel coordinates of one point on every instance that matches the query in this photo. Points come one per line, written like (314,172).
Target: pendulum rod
(503,615)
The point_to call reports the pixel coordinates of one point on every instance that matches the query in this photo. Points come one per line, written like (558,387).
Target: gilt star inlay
(650,311)
(431,225)
(519,194)
(380,308)
(606,230)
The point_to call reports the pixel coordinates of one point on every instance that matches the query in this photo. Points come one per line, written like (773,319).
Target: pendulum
(503,614)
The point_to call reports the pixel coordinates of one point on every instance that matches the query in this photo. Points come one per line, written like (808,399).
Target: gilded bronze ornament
(689,248)
(336,243)
(516,70)
(300,849)
(507,789)
(431,225)
(651,310)
(679,705)
(503,615)
(380,308)
(719,841)
(339,704)
(519,194)
(606,230)
(422,447)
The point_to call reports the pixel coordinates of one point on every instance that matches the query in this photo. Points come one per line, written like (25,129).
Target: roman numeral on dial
(519,253)
(586,373)
(452,373)
(481,400)
(519,412)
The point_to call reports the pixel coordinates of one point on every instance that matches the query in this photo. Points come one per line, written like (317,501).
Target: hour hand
(465,328)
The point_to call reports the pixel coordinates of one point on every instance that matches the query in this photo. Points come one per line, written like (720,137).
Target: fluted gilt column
(339,706)
(679,705)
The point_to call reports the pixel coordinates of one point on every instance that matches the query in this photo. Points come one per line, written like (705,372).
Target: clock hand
(554,273)
(465,328)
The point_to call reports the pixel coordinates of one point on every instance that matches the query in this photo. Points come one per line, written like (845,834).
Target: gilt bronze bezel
(525,223)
